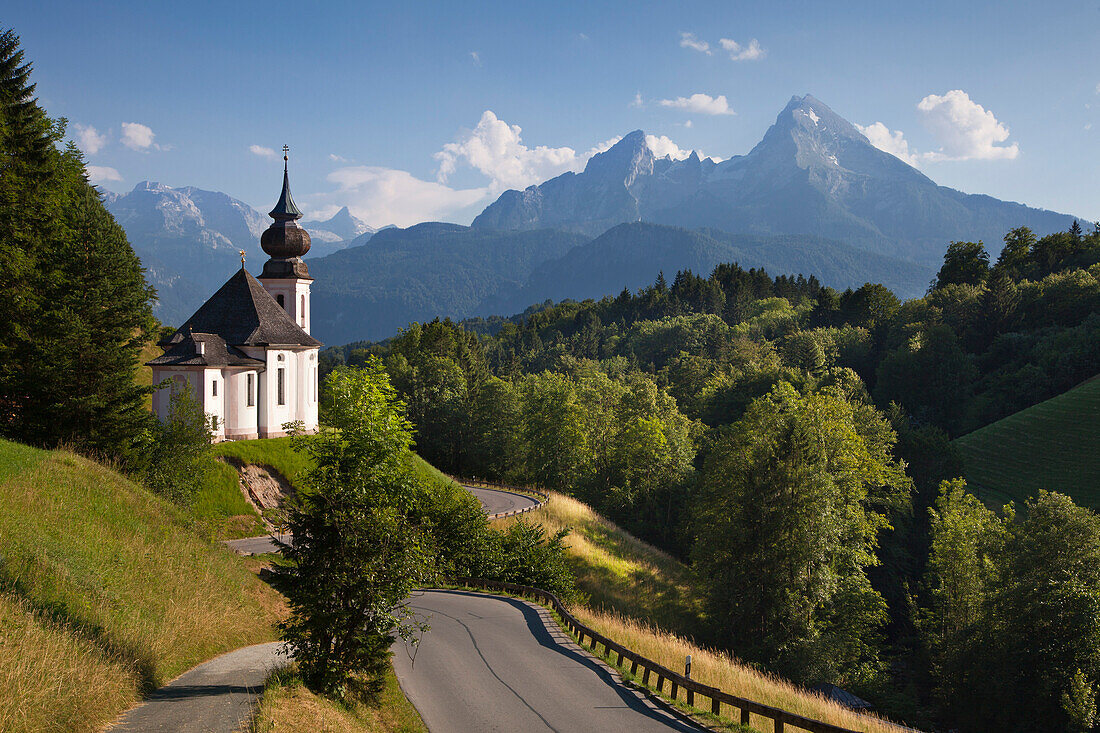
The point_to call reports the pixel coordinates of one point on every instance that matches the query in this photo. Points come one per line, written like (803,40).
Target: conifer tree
(79,307)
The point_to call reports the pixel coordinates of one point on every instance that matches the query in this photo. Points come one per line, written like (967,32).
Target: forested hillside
(793,443)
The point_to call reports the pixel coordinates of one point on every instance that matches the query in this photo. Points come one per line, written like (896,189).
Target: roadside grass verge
(619,573)
(289,707)
(107,592)
(722,670)
(1053,445)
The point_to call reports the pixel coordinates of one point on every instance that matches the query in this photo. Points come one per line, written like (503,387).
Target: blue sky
(409,111)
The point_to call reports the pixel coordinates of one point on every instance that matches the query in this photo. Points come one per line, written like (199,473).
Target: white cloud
(890,141)
(476,57)
(88,139)
(687,124)
(1098,88)
(637,101)
(688,40)
(662,146)
(701,103)
(964,129)
(137,136)
(583,37)
(382,196)
(496,149)
(263,152)
(337,158)
(737,52)
(101,174)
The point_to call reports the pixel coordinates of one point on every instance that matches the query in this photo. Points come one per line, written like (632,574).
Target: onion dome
(284,238)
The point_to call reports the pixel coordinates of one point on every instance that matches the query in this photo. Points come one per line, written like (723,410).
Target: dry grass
(721,670)
(620,573)
(110,581)
(42,663)
(288,707)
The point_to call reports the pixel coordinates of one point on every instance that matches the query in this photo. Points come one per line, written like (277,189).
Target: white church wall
(178,378)
(307,389)
(276,413)
(213,399)
(242,418)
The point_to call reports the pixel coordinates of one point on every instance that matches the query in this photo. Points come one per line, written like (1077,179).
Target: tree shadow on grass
(59,615)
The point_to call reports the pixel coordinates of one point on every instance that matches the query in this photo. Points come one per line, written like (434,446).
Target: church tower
(285,275)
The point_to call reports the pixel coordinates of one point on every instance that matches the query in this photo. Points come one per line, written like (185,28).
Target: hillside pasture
(1053,445)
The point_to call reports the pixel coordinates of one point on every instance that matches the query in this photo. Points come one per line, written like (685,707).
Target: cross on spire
(286,149)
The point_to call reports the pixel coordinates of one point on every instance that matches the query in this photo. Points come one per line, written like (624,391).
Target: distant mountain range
(813,174)
(189,239)
(813,197)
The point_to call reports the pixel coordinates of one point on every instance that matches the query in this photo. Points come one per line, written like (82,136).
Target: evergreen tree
(792,501)
(79,305)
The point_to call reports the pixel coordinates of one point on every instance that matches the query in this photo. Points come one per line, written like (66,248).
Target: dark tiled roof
(242,313)
(215,353)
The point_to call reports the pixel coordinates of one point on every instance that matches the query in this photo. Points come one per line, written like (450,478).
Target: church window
(282,385)
(303,310)
(215,386)
(279,300)
(251,390)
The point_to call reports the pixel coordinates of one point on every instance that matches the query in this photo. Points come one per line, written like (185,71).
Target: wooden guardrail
(663,675)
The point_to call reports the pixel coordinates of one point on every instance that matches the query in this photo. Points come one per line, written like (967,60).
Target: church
(246,355)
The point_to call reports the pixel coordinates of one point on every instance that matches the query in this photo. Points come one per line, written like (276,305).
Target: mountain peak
(624,161)
(816,117)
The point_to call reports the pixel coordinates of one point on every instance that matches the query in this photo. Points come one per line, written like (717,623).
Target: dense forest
(792,443)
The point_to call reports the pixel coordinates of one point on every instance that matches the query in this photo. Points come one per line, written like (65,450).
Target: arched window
(303,311)
(279,300)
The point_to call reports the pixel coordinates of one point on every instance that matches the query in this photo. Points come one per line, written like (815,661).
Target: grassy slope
(621,573)
(1053,445)
(219,499)
(105,592)
(648,601)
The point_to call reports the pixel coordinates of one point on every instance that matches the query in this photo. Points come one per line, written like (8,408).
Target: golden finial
(241,253)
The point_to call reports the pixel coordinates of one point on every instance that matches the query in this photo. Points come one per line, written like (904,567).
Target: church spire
(285,209)
(284,240)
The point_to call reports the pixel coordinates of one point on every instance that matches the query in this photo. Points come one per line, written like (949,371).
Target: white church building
(246,355)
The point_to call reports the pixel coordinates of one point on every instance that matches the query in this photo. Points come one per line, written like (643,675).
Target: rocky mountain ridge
(813,173)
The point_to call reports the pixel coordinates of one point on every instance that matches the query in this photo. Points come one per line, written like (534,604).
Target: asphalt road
(216,696)
(498,502)
(500,664)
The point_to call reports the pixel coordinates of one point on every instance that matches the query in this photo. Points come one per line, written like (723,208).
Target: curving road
(500,664)
(494,501)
